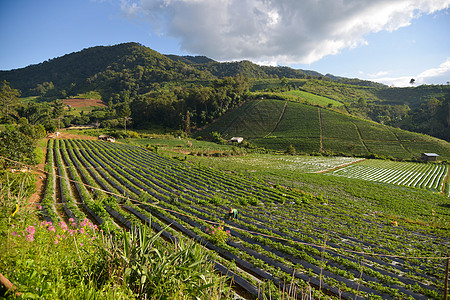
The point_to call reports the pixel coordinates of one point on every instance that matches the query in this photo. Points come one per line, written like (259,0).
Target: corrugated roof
(430,154)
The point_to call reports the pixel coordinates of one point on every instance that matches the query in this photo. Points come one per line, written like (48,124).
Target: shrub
(219,234)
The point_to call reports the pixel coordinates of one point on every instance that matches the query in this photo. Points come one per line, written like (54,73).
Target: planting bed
(424,176)
(282,235)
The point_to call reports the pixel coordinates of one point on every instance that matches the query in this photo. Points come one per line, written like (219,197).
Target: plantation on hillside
(276,124)
(425,176)
(282,235)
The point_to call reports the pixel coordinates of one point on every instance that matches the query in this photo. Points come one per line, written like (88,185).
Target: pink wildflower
(82,230)
(73,224)
(56,241)
(51,228)
(63,225)
(71,220)
(39,207)
(12,226)
(31,229)
(30,237)
(14,233)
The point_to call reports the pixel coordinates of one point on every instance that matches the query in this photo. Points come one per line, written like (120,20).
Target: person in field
(232,213)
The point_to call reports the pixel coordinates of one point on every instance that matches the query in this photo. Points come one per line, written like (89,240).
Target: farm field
(314,99)
(340,245)
(425,176)
(270,162)
(276,124)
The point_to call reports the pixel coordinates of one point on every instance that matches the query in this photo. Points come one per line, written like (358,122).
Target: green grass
(254,119)
(299,121)
(313,99)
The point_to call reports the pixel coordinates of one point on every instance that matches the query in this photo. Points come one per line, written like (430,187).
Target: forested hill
(245,68)
(137,69)
(197,89)
(107,69)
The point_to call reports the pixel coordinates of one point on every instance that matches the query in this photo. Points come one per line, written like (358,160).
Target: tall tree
(58,111)
(9,97)
(125,113)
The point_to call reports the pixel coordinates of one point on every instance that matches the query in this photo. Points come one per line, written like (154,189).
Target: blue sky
(389,41)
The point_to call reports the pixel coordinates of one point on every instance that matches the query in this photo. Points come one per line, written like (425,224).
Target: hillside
(106,69)
(130,72)
(276,124)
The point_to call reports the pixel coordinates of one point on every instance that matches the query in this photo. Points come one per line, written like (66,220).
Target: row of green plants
(128,166)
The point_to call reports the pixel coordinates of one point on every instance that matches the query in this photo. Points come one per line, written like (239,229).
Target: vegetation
(66,259)
(276,124)
(189,92)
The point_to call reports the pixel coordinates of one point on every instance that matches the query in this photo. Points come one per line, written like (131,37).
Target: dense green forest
(142,87)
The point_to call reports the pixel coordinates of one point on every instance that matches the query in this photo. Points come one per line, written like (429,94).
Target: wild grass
(78,261)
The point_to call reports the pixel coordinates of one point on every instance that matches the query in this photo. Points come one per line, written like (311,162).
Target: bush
(218,233)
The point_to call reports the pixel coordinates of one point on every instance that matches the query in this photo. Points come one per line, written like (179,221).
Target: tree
(9,97)
(412,81)
(16,146)
(291,150)
(58,111)
(125,113)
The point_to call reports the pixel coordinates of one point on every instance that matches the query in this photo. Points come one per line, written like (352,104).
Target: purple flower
(14,233)
(31,230)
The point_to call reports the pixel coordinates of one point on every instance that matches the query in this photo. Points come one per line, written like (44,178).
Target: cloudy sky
(388,41)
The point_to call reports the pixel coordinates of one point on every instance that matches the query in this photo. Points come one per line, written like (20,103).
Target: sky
(387,41)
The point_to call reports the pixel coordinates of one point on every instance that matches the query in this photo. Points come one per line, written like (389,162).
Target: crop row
(425,176)
(133,170)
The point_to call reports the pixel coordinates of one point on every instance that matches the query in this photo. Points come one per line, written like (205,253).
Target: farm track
(360,137)
(322,150)
(279,120)
(131,171)
(400,142)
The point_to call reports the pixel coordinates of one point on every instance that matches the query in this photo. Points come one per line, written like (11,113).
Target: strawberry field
(283,238)
(424,176)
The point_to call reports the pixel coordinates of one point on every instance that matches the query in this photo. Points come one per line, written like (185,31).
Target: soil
(40,179)
(66,135)
(81,102)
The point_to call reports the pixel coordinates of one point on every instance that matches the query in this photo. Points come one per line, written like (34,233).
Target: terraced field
(283,238)
(276,124)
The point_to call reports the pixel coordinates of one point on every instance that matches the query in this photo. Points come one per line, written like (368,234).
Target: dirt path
(360,138)
(279,120)
(322,150)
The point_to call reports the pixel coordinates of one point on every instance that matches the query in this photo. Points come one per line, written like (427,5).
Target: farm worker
(233,213)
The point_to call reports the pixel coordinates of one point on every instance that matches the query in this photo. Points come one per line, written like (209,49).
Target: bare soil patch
(82,102)
(63,134)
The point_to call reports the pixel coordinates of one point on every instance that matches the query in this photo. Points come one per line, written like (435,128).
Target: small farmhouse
(107,138)
(236,139)
(429,156)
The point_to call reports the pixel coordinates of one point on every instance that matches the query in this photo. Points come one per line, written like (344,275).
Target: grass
(65,260)
(314,99)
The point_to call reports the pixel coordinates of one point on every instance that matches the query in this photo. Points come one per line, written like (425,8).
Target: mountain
(108,69)
(124,72)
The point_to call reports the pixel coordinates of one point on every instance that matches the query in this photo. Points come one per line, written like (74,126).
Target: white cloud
(286,31)
(439,75)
